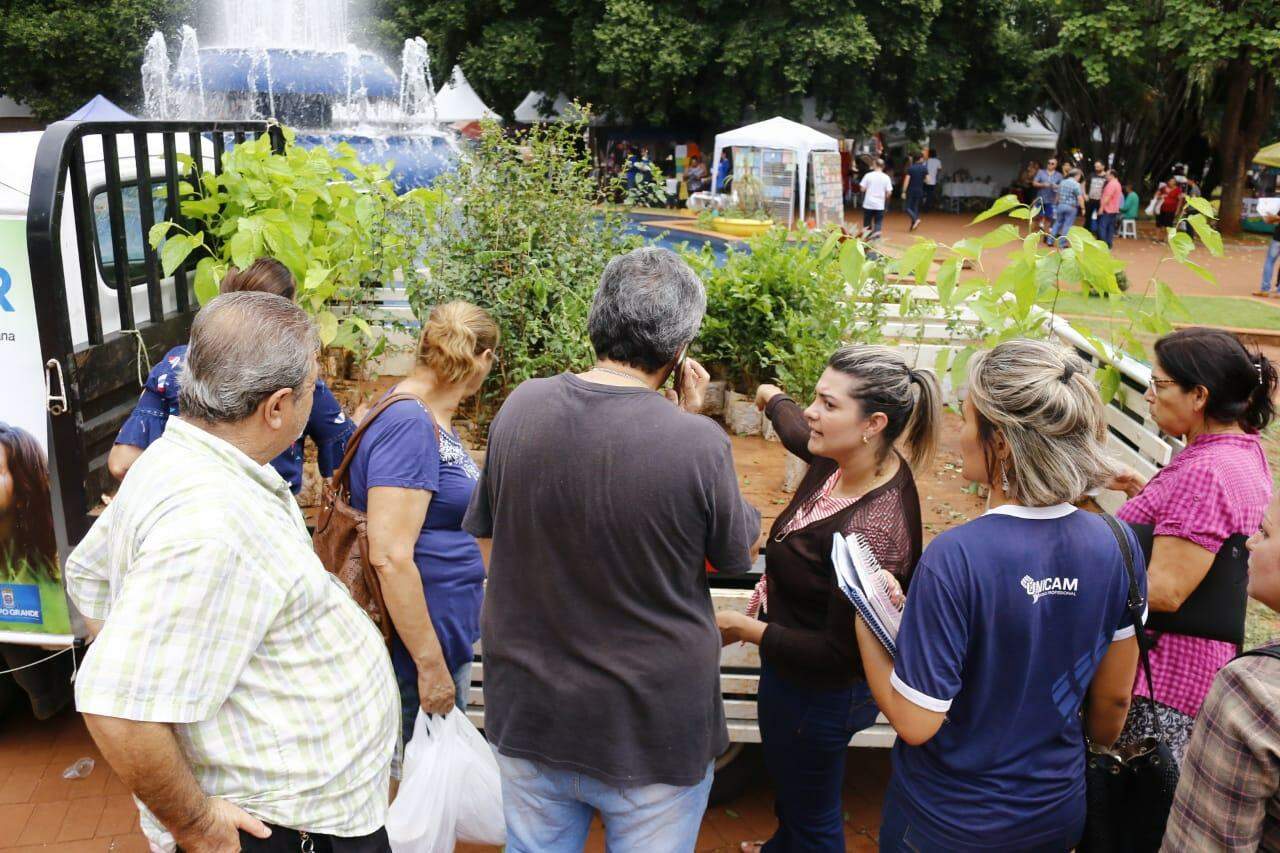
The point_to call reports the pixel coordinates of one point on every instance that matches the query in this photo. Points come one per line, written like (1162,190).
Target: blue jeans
(409,696)
(805,734)
(1107,227)
(1064,217)
(873,219)
(914,201)
(1269,265)
(549,810)
(899,835)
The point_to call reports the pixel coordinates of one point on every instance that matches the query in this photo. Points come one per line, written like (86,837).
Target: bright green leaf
(1201,205)
(1181,245)
(947,275)
(175,251)
(327,327)
(158,233)
(1001,205)
(1212,239)
(206,280)
(1108,379)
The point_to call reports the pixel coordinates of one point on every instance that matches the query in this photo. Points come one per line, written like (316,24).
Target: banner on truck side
(33,603)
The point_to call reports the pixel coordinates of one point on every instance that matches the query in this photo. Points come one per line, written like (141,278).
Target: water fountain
(294,61)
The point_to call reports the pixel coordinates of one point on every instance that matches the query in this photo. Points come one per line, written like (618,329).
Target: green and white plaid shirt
(220,619)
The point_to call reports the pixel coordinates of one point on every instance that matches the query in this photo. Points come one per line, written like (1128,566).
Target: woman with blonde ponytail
(812,696)
(413,477)
(1016,641)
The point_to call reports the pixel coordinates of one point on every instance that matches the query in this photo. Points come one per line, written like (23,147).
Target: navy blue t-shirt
(1006,621)
(917,172)
(399,449)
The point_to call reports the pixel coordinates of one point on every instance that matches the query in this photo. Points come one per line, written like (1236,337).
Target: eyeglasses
(1155,384)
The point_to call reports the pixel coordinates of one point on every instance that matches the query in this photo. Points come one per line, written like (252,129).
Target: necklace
(621,374)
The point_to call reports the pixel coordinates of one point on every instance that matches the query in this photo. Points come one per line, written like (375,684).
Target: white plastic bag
(450,791)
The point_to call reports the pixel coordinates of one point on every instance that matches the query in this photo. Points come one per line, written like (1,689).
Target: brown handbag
(341,539)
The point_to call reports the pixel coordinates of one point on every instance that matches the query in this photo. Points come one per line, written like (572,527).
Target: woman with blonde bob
(414,478)
(1014,623)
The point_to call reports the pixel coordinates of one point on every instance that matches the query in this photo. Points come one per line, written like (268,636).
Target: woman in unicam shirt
(1013,623)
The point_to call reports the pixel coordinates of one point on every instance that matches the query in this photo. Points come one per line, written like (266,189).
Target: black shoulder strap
(1264,652)
(1136,604)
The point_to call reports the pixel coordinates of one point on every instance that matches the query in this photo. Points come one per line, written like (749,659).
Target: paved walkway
(40,811)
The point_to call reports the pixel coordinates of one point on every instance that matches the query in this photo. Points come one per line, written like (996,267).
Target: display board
(33,606)
(774,169)
(828,200)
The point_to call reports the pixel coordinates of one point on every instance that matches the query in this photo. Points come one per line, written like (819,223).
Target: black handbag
(1216,608)
(1129,794)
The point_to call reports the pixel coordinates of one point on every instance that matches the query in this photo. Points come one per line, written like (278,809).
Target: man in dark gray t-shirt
(601,653)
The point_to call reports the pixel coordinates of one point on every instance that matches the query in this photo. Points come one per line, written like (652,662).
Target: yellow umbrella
(1269,156)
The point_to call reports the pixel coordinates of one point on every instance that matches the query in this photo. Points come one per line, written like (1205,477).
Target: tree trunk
(1231,143)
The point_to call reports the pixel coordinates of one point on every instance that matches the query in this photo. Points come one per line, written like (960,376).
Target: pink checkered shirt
(1217,487)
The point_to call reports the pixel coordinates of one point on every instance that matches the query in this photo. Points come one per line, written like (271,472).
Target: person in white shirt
(876,189)
(934,169)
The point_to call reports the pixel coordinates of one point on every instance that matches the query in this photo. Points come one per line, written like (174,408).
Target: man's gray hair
(244,347)
(649,305)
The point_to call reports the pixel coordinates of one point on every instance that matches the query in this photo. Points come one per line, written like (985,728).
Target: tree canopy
(707,63)
(60,53)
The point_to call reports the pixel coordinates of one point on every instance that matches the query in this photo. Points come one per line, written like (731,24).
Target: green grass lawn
(1204,310)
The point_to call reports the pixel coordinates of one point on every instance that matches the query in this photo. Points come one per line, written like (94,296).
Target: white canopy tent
(528,113)
(1032,133)
(777,132)
(458,102)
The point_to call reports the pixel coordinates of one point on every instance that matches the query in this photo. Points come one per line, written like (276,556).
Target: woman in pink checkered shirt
(1207,388)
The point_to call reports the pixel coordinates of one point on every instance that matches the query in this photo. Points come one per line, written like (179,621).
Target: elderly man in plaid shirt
(235,686)
(1229,795)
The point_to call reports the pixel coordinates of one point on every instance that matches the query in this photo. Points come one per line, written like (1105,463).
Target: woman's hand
(765,393)
(738,627)
(1128,481)
(435,689)
(895,589)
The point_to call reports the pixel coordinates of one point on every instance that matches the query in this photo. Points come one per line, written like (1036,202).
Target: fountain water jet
(293,61)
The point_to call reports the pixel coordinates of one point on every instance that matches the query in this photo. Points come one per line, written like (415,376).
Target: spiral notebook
(856,573)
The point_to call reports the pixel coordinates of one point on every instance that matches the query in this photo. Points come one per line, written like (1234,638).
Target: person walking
(235,686)
(1168,203)
(1093,201)
(1017,631)
(1069,203)
(413,478)
(1046,185)
(724,172)
(1273,252)
(876,189)
(1109,208)
(931,179)
(913,188)
(1228,796)
(1211,391)
(328,427)
(813,698)
(605,503)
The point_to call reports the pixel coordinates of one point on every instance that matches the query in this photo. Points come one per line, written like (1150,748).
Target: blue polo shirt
(328,427)
(1005,624)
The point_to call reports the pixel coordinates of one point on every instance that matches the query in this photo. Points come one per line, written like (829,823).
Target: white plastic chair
(1129,228)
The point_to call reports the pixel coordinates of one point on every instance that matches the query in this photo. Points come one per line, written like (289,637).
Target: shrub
(525,239)
(335,222)
(778,308)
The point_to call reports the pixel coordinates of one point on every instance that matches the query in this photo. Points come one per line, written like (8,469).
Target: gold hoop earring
(865,439)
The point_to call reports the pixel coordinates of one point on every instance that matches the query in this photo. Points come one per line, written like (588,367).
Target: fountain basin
(334,74)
